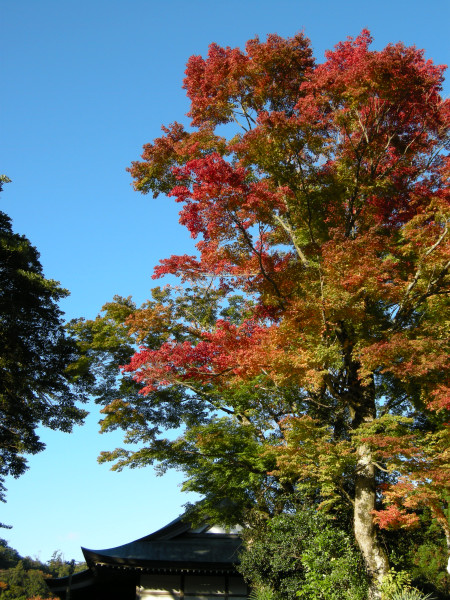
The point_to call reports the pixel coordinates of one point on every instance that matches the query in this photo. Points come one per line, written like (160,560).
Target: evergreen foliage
(36,386)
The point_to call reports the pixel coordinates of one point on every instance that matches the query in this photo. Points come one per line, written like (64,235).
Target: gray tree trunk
(365,533)
(361,402)
(363,410)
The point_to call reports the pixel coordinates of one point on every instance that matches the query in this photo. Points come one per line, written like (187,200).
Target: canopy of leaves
(307,347)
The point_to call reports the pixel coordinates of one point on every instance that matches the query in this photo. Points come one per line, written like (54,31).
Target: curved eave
(194,552)
(169,531)
(79,581)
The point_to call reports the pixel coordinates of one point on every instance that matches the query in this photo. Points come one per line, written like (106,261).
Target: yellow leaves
(421,463)
(119,412)
(150,319)
(311,456)
(425,228)
(390,439)
(290,356)
(353,268)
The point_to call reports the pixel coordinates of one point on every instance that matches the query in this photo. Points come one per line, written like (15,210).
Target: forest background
(86,85)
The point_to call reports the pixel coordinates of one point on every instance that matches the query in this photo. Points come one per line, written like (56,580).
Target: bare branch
(263,271)
(380,467)
(288,229)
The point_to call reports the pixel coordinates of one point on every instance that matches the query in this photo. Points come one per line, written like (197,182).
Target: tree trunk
(447,538)
(365,533)
(362,406)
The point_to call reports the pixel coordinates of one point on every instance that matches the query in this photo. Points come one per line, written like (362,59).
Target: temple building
(177,561)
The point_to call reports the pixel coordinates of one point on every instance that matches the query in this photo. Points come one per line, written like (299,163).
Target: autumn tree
(36,386)
(308,347)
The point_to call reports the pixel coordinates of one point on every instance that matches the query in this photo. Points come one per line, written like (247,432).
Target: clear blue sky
(85,84)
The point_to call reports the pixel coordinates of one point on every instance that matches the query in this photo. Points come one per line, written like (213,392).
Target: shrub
(303,555)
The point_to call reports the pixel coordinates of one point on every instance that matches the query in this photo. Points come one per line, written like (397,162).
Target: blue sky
(85,84)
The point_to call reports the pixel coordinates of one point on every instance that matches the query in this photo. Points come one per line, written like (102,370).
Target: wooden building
(176,562)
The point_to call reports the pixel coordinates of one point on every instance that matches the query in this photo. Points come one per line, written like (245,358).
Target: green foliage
(429,566)
(395,582)
(219,456)
(21,584)
(227,462)
(411,594)
(35,353)
(8,556)
(303,555)
(4,179)
(331,566)
(421,552)
(57,566)
(104,345)
(262,593)
(22,578)
(396,585)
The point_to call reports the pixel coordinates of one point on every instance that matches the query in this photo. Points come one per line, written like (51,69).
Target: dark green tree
(36,384)
(422,553)
(306,555)
(8,556)
(23,577)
